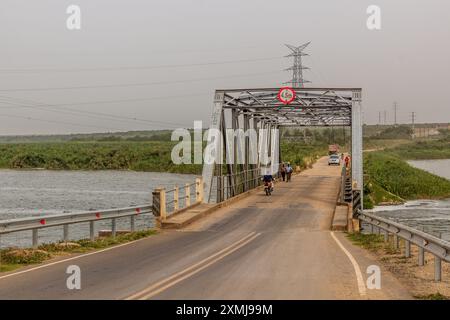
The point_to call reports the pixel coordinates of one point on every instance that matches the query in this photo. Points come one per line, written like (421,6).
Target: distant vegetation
(423,149)
(122,155)
(139,156)
(394,132)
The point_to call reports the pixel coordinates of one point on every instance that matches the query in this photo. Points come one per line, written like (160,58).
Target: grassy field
(388,178)
(422,150)
(139,156)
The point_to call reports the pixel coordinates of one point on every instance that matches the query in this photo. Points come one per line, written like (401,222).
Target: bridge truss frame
(260,109)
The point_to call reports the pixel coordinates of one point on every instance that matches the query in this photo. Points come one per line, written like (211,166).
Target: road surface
(277,247)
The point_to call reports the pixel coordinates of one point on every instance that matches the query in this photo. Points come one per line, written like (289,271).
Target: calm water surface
(42,192)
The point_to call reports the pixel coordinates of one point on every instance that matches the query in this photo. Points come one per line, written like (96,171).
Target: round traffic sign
(286,95)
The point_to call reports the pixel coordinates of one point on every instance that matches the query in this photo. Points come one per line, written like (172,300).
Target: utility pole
(297,68)
(385,116)
(395,113)
(413,120)
(379,117)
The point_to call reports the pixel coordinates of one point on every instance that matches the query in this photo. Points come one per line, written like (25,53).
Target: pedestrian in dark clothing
(283,171)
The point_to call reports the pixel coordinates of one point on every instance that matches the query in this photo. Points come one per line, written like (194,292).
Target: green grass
(422,150)
(13,258)
(390,179)
(119,155)
(302,155)
(366,241)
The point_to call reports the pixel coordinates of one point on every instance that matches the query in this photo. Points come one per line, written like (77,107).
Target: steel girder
(261,107)
(311,107)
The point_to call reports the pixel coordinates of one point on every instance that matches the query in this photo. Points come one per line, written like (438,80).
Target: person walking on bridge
(283,171)
(288,172)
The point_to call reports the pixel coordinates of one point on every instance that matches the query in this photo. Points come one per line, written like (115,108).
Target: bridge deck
(277,247)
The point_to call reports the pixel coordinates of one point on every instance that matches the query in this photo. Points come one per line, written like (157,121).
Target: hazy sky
(407,61)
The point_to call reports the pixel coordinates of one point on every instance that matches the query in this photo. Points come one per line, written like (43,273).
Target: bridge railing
(234,184)
(424,241)
(34,224)
(167,202)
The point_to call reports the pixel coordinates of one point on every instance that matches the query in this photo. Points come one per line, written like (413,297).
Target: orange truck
(333,149)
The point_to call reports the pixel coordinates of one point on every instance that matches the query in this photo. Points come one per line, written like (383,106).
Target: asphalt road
(276,247)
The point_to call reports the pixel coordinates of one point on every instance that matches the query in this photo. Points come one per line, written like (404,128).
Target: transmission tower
(297,68)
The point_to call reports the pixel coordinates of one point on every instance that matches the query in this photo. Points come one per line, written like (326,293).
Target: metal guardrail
(40,222)
(426,242)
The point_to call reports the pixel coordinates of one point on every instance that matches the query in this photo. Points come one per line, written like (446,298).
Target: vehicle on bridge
(333,149)
(268,184)
(334,159)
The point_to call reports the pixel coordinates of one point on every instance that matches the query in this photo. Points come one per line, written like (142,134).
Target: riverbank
(419,280)
(391,180)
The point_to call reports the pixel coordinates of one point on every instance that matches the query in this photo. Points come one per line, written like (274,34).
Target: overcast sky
(407,61)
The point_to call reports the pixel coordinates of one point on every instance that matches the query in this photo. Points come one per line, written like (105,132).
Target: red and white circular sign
(286,95)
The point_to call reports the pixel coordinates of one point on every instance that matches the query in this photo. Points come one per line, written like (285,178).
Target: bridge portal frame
(260,108)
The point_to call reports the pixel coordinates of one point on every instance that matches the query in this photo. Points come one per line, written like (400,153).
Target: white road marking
(359,276)
(69,259)
(190,271)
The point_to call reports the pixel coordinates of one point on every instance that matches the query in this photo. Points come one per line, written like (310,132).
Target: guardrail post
(437,268)
(132,224)
(199,190)
(35,238)
(66,232)
(159,203)
(91,230)
(187,192)
(176,198)
(421,256)
(396,241)
(113,227)
(407,249)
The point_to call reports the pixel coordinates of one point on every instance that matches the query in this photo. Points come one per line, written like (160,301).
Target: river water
(431,216)
(25,193)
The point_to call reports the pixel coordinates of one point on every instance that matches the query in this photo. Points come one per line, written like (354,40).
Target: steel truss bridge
(261,109)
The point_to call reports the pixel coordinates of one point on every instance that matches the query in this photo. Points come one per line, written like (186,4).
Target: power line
(38,105)
(135,84)
(52,70)
(413,121)
(395,113)
(121,100)
(58,122)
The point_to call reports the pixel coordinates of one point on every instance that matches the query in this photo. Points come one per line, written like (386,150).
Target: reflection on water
(42,192)
(431,216)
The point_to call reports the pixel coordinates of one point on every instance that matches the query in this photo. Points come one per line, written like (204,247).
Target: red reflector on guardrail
(42,221)
(138,210)
(97,215)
